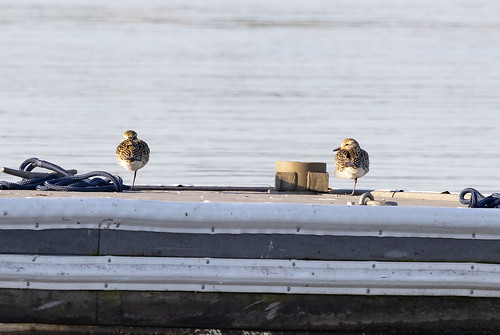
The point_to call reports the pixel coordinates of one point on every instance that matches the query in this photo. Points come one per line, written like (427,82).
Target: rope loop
(83,183)
(32,163)
(477,200)
(63,180)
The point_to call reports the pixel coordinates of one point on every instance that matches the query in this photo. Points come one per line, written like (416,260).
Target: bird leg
(354,187)
(133,182)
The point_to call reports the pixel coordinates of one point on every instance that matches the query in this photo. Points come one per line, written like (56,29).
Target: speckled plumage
(351,162)
(132,153)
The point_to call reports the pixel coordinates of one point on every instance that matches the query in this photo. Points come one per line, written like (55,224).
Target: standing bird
(351,162)
(132,153)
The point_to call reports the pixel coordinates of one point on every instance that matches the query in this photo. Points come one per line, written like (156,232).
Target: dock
(230,260)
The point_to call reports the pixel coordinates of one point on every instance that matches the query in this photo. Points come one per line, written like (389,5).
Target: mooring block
(294,176)
(317,181)
(285,181)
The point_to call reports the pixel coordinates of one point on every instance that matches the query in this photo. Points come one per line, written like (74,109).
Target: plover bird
(132,153)
(351,162)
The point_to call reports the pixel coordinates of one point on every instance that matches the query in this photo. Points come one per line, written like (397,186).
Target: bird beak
(336,149)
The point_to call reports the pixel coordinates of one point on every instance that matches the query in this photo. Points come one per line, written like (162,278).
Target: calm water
(221,90)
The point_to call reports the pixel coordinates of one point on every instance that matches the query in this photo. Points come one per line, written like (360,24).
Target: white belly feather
(131,166)
(350,172)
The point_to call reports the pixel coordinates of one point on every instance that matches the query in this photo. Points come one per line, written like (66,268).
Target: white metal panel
(237,218)
(250,275)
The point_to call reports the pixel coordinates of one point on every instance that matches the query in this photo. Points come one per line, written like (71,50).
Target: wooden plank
(253,312)
(298,312)
(245,246)
(48,306)
(50,242)
(49,329)
(277,246)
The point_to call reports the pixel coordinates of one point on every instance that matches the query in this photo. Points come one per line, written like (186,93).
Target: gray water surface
(220,90)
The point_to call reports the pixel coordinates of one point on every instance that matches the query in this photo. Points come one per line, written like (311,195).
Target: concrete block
(301,169)
(317,181)
(285,181)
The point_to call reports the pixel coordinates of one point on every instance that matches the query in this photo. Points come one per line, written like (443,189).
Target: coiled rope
(477,200)
(63,180)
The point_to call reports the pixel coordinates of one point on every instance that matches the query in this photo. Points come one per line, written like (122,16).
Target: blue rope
(32,163)
(477,200)
(66,182)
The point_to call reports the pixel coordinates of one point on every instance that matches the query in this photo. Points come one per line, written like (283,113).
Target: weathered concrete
(243,194)
(300,173)
(317,181)
(285,181)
